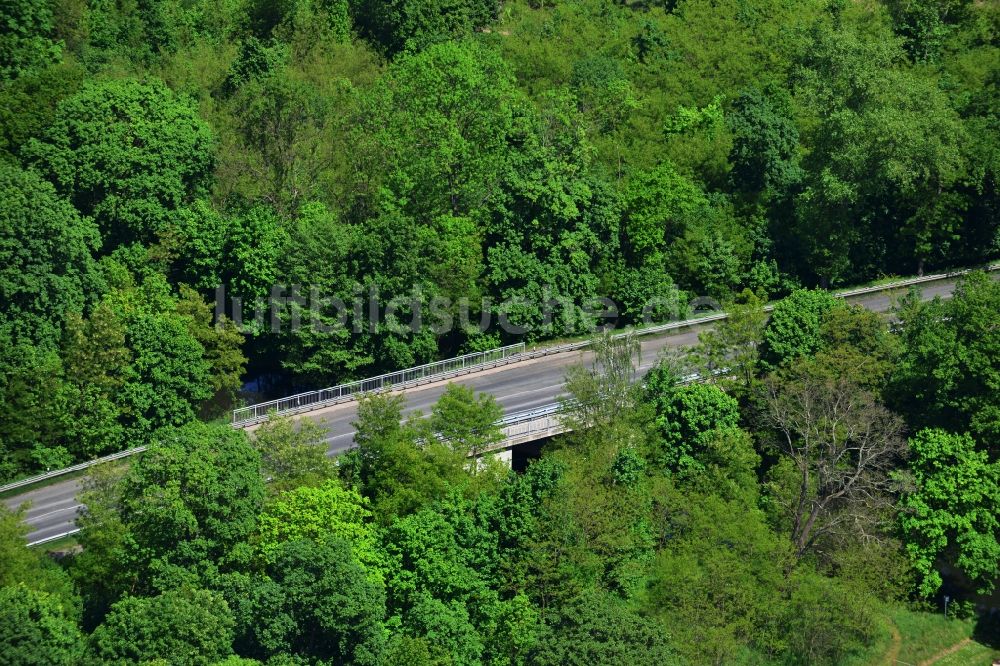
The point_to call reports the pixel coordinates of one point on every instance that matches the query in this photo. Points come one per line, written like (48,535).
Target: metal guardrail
(68,470)
(506,358)
(546,418)
(409,377)
(909,282)
(252,414)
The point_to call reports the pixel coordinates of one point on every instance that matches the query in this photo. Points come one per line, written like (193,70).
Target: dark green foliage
(599,629)
(686,417)
(26,42)
(765,142)
(793,329)
(35,629)
(46,257)
(185,626)
(925,24)
(193,496)
(324,607)
(126,153)
(399,24)
(28,104)
(949,370)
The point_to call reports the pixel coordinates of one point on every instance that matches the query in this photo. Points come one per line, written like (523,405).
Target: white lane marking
(50,513)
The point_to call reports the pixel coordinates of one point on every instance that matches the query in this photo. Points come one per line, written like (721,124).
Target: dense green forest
(507,154)
(495,158)
(775,516)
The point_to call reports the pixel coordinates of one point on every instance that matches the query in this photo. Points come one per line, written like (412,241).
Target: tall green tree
(46,250)
(951,513)
(328,607)
(34,629)
(126,153)
(948,369)
(686,417)
(392,467)
(184,626)
(465,421)
(293,453)
(192,496)
(793,329)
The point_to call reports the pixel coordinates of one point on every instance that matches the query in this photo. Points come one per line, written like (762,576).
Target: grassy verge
(927,634)
(972,654)
(63,544)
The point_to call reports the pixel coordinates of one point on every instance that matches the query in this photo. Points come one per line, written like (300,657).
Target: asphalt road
(517,387)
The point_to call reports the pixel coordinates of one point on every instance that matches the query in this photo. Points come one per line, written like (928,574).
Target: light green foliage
(185,626)
(793,329)
(34,629)
(196,242)
(440,552)
(465,421)
(95,361)
(733,345)
(828,622)
(20,565)
(254,248)
(320,514)
(293,454)
(714,583)
(952,511)
(661,205)
(672,225)
(126,153)
(453,637)
(240,251)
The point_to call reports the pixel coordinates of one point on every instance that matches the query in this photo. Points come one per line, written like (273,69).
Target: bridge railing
(31,480)
(507,354)
(420,374)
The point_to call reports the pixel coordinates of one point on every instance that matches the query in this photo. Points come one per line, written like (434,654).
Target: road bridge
(518,386)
